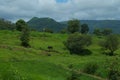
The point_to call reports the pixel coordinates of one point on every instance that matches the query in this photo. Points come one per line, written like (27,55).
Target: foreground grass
(35,63)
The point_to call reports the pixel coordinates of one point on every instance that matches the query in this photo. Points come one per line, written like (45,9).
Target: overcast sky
(60,10)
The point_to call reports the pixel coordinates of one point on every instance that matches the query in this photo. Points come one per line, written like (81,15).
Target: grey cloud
(81,9)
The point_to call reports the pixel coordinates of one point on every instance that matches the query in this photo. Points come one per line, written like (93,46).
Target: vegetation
(25,37)
(84,28)
(73,26)
(49,59)
(76,43)
(111,43)
(20,25)
(6,25)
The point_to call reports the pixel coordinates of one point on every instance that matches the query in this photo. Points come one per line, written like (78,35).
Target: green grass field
(35,63)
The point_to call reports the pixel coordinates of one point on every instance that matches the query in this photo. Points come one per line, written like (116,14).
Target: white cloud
(81,9)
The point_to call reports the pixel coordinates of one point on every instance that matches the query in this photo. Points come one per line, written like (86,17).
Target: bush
(90,68)
(76,43)
(74,76)
(111,44)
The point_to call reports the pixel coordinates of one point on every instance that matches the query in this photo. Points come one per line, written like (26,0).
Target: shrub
(74,76)
(76,43)
(111,43)
(90,68)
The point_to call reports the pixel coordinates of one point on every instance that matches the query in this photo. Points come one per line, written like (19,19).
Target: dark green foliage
(73,26)
(84,28)
(25,37)
(41,23)
(114,71)
(97,32)
(74,76)
(63,31)
(111,43)
(76,43)
(6,25)
(20,24)
(107,31)
(47,30)
(90,68)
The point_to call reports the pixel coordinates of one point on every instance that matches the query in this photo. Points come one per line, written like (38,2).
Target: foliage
(111,43)
(90,68)
(77,42)
(6,25)
(40,23)
(12,74)
(47,30)
(25,37)
(113,69)
(73,26)
(97,32)
(20,24)
(107,31)
(74,76)
(84,28)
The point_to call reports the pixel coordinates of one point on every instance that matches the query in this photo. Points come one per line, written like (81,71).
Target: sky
(60,10)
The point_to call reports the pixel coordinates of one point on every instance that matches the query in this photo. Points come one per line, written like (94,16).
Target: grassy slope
(35,63)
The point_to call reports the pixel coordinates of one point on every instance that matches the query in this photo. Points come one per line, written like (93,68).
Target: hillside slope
(42,23)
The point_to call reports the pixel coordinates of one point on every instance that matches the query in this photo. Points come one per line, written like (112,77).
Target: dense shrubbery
(90,68)
(76,43)
(111,43)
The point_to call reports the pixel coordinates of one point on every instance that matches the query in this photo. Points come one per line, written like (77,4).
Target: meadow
(38,63)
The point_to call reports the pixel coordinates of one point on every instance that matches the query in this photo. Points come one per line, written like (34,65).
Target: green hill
(112,24)
(42,23)
(38,63)
(6,25)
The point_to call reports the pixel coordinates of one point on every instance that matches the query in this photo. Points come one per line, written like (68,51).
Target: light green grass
(35,63)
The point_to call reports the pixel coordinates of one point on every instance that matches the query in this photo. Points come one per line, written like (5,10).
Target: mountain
(42,23)
(112,24)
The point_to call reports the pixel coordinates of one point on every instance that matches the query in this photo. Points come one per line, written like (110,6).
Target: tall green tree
(73,26)
(84,28)
(20,24)
(25,37)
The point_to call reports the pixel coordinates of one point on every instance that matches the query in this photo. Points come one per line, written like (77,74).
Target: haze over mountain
(41,23)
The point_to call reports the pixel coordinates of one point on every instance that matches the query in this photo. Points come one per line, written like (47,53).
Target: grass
(35,64)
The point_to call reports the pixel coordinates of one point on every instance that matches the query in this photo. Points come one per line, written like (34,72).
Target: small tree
(73,26)
(25,37)
(76,43)
(20,25)
(84,28)
(97,32)
(111,43)
(107,31)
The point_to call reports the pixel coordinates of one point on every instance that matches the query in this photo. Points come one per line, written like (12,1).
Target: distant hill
(112,24)
(41,23)
(6,25)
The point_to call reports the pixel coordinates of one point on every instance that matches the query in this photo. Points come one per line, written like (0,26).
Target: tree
(73,26)
(97,32)
(76,43)
(107,31)
(25,37)
(20,25)
(111,43)
(84,28)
